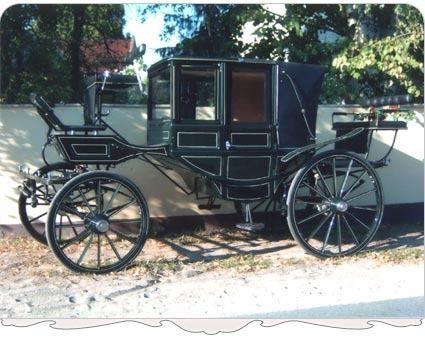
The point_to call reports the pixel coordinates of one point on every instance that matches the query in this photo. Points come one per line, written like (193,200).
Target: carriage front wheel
(339,212)
(110,215)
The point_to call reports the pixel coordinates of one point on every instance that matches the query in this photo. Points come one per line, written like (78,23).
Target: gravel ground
(222,275)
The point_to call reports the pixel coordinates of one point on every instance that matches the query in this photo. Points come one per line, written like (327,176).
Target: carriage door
(247,140)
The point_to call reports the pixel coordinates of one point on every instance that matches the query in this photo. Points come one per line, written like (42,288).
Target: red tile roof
(110,54)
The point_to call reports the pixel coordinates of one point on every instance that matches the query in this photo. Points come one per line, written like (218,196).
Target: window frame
(267,93)
(150,103)
(207,67)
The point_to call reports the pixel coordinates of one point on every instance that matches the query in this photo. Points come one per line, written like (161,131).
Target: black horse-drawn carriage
(239,130)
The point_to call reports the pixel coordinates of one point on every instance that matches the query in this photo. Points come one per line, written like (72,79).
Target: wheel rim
(340,212)
(111,223)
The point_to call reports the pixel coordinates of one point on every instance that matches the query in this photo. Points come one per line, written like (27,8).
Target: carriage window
(248,95)
(197,97)
(160,96)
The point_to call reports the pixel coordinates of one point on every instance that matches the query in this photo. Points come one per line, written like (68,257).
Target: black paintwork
(105,149)
(248,168)
(222,124)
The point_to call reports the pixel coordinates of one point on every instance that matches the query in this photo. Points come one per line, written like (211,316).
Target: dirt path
(230,274)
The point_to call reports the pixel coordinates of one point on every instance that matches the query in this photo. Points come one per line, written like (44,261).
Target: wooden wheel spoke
(317,229)
(65,208)
(361,195)
(312,216)
(131,239)
(334,176)
(310,200)
(133,221)
(86,202)
(38,217)
(313,189)
(358,220)
(328,232)
(73,226)
(60,228)
(38,204)
(346,177)
(119,208)
(79,238)
(350,229)
(113,246)
(99,196)
(98,252)
(80,194)
(363,208)
(338,232)
(85,250)
(353,186)
(323,181)
(109,204)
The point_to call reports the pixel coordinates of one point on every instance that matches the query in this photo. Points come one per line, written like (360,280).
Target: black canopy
(298,89)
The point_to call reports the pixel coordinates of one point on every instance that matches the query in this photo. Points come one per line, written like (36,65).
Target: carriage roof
(113,81)
(166,61)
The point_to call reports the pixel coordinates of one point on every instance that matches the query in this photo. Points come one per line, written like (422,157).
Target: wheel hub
(339,205)
(99,223)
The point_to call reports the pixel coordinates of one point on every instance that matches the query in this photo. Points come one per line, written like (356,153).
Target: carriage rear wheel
(33,209)
(346,210)
(111,217)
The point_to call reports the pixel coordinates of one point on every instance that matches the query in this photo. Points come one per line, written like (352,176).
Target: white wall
(22,133)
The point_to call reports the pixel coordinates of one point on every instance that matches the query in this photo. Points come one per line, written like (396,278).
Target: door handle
(228,145)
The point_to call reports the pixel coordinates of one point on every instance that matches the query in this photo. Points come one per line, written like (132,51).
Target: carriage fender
(317,146)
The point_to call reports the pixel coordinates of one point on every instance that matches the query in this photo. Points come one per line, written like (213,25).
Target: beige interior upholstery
(248,96)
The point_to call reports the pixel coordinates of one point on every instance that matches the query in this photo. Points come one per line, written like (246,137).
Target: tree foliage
(40,47)
(369,49)
(386,64)
(204,30)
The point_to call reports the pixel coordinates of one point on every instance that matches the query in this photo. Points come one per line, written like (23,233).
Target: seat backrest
(46,112)
(90,101)
(387,101)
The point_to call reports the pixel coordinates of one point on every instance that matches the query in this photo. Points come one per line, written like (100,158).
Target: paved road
(352,289)
(393,308)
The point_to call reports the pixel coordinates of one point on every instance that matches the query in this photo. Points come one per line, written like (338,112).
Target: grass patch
(160,267)
(393,255)
(396,255)
(240,263)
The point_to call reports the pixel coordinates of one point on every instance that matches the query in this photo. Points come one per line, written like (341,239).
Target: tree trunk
(78,12)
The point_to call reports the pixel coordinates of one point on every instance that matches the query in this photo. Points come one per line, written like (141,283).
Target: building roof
(109,54)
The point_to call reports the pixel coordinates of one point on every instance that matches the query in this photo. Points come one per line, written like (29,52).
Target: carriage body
(230,121)
(223,125)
